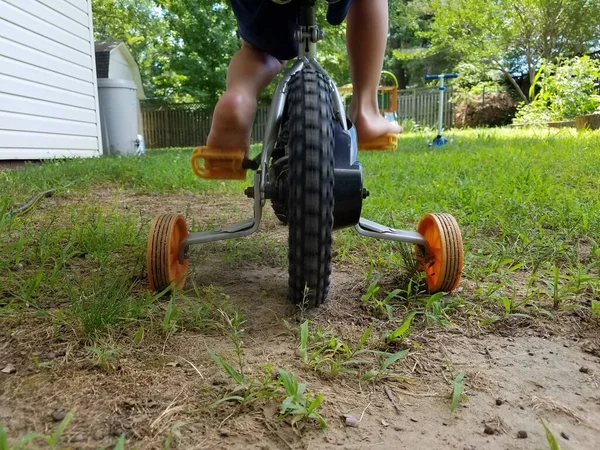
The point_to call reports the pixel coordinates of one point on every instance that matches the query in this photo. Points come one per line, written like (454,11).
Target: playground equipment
(440,140)
(309,171)
(387,99)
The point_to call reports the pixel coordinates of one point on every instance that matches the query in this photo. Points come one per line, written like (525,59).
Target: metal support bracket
(372,229)
(236,230)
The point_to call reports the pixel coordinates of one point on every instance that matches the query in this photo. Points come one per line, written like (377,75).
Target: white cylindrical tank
(119,116)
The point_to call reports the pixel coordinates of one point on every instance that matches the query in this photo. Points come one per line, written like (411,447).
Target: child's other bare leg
(250,71)
(366,39)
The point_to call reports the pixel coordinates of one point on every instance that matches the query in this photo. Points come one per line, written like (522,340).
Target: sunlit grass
(526,200)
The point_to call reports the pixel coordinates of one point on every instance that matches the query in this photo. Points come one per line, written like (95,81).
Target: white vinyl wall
(48,87)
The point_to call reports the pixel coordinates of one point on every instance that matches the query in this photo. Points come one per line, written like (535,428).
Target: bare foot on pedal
(372,125)
(228,142)
(232,121)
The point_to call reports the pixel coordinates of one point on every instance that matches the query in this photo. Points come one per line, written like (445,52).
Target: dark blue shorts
(269,27)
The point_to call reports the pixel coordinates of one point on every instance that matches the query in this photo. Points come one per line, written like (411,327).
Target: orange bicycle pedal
(219,163)
(386,142)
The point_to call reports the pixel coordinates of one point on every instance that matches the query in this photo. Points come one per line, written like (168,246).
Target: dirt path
(515,374)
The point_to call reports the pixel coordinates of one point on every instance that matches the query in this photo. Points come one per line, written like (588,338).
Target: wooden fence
(421,105)
(188,125)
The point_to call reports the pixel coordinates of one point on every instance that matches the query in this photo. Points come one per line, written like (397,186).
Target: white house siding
(48,88)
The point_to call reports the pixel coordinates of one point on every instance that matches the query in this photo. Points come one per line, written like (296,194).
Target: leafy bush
(564,90)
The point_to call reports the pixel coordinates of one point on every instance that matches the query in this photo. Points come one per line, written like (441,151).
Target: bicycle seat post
(308,33)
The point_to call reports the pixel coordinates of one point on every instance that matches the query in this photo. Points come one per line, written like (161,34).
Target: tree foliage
(204,35)
(140,25)
(183,47)
(410,54)
(514,36)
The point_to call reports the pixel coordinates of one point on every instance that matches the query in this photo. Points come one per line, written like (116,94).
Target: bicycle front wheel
(311,184)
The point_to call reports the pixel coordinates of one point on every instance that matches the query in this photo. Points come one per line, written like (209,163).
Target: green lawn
(527,202)
(73,269)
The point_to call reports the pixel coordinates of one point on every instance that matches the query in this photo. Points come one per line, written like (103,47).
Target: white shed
(48,88)
(115,61)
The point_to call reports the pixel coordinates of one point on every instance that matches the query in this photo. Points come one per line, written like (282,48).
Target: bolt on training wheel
(167,232)
(442,261)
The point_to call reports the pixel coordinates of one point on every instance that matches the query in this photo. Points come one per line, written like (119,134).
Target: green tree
(182,46)
(410,54)
(204,35)
(333,55)
(139,23)
(514,36)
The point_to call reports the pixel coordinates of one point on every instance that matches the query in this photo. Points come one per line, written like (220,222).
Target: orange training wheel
(443,260)
(167,232)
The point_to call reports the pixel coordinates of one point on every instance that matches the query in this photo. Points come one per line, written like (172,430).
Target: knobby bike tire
(311,187)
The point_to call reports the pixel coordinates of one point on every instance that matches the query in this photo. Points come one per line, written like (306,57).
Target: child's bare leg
(250,71)
(366,39)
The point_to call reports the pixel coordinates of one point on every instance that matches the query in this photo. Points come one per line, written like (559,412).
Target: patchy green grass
(157,172)
(527,203)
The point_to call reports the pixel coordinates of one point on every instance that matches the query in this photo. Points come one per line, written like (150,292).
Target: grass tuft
(457,391)
(552,443)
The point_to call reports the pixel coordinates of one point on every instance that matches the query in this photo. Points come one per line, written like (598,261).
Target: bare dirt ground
(517,371)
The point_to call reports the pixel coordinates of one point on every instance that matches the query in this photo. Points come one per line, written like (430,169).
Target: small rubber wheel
(164,270)
(442,261)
